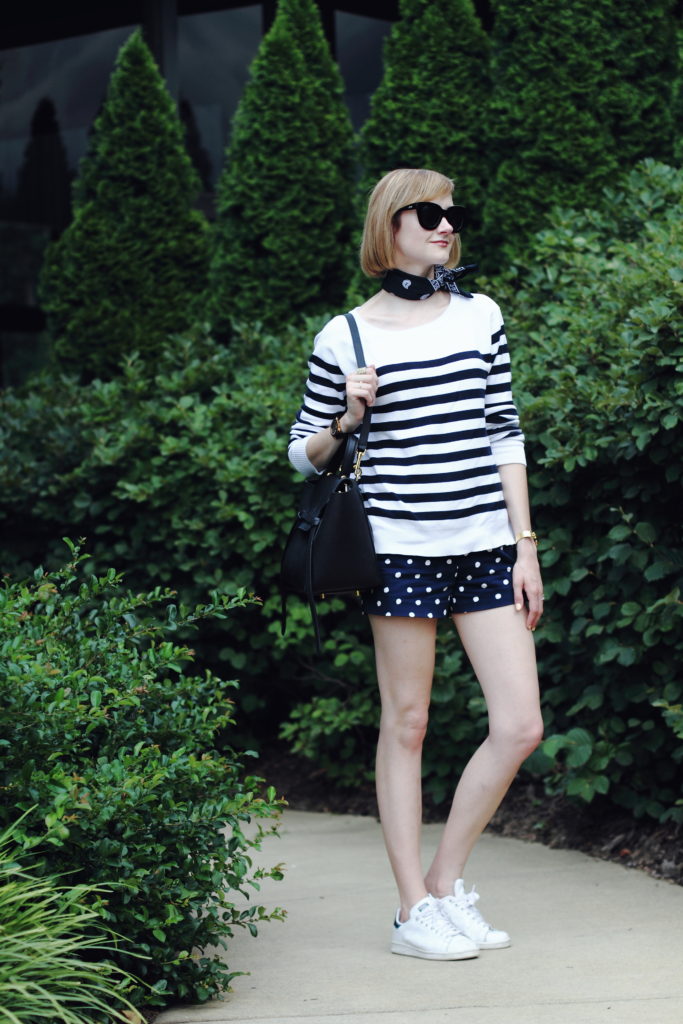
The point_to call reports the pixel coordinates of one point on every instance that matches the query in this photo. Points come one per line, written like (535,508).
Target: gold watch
(523,534)
(336,428)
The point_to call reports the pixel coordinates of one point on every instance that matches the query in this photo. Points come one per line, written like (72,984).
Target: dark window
(215,51)
(359,54)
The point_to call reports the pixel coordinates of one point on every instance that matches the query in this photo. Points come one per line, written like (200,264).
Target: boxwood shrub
(109,747)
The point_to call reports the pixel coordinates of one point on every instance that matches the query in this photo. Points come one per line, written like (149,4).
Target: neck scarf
(409,286)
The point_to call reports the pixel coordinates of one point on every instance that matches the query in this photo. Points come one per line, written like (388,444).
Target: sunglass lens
(430,216)
(456,217)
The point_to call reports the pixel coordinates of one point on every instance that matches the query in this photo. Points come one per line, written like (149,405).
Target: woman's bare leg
(404,652)
(501,651)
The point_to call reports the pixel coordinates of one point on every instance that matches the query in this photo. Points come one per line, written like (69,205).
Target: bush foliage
(111,745)
(600,377)
(180,475)
(133,264)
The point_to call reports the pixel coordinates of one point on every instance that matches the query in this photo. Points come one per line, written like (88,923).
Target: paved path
(593,943)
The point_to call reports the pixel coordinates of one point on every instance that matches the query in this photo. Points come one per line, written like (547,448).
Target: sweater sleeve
(502,419)
(324,398)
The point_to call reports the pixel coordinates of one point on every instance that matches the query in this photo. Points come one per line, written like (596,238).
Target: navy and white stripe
(443,422)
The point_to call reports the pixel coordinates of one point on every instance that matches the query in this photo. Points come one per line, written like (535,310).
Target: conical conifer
(426,112)
(580,91)
(132,266)
(639,72)
(284,200)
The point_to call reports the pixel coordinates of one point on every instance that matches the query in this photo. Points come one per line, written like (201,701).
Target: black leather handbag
(330,548)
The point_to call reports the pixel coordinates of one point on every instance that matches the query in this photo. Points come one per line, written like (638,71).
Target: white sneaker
(461,912)
(429,935)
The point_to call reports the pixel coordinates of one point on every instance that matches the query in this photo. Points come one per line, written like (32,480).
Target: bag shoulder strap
(360,358)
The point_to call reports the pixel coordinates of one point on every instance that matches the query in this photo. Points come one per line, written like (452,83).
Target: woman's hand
(361,391)
(526,580)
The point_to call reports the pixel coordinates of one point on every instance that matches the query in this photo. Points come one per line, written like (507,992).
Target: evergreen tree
(284,210)
(44,182)
(635,100)
(677,105)
(132,266)
(426,111)
(547,139)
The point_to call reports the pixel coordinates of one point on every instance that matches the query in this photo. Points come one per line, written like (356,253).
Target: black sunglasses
(430,215)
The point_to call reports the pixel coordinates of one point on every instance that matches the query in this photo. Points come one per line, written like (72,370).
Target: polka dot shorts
(433,588)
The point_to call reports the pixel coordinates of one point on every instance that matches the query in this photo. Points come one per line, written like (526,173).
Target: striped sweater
(443,421)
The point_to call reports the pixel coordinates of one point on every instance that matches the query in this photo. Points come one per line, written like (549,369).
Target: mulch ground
(526,813)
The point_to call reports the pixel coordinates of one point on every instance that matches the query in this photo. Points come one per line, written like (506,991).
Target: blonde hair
(396,189)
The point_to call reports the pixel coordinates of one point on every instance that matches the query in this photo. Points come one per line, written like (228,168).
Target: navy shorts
(433,588)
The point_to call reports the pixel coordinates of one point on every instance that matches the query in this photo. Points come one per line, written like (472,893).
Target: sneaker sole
(496,945)
(403,949)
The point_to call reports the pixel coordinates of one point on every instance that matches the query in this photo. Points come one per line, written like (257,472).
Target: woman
(444,483)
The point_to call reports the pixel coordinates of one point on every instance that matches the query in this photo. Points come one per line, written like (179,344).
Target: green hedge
(109,747)
(181,476)
(177,475)
(598,349)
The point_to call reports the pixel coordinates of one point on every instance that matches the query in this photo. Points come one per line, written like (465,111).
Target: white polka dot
(449,561)
(477,564)
(411,614)
(387,615)
(429,615)
(409,589)
(437,601)
(379,604)
(491,572)
(489,551)
(475,598)
(484,586)
(428,562)
(398,600)
(429,590)
(506,583)
(417,575)
(509,568)
(397,575)
(497,597)
(387,561)
(418,602)
(386,590)
(497,560)
(469,577)
(439,575)
(410,561)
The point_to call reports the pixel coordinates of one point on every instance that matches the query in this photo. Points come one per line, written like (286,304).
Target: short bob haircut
(396,189)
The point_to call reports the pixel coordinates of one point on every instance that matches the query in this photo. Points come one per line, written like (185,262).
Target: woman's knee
(520,736)
(406,724)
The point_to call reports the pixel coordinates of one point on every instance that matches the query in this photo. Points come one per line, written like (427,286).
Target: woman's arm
(526,575)
(361,389)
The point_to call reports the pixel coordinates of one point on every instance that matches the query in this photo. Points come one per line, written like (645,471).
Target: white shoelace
(432,918)
(466,902)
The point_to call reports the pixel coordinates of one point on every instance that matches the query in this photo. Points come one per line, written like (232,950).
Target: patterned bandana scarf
(408,286)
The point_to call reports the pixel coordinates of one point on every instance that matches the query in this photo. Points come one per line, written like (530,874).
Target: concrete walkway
(592,942)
